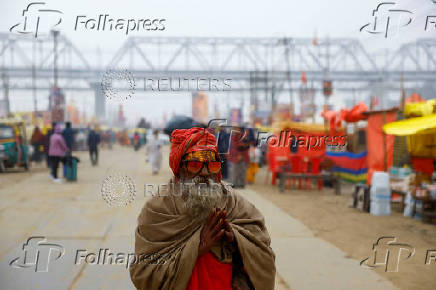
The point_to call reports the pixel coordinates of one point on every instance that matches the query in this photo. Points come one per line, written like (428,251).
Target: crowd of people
(241,157)
(239,154)
(57,145)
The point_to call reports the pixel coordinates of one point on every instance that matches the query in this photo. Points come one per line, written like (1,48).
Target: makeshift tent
(420,125)
(380,146)
(421,140)
(419,109)
(295,138)
(304,127)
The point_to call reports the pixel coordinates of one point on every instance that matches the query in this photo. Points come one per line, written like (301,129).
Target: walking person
(223,138)
(154,152)
(239,158)
(68,135)
(47,136)
(93,141)
(37,141)
(57,151)
(136,142)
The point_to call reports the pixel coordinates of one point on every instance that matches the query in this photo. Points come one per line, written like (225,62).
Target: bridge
(270,65)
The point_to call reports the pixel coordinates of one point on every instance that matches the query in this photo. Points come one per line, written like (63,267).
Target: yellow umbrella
(420,125)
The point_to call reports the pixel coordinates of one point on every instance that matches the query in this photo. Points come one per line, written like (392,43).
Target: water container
(380,178)
(380,208)
(408,205)
(404,172)
(394,171)
(380,194)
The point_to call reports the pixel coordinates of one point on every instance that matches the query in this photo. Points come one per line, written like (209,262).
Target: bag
(71,168)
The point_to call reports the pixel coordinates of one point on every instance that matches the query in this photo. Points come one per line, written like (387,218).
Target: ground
(75,216)
(331,218)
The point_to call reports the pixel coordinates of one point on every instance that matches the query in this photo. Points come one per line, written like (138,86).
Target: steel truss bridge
(259,65)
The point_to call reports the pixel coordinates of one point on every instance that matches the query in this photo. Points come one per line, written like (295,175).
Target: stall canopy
(412,126)
(421,139)
(303,127)
(419,109)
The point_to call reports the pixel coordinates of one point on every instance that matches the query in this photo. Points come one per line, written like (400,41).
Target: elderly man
(199,233)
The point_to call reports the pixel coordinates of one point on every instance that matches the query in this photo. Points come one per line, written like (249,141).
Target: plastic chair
(314,169)
(296,167)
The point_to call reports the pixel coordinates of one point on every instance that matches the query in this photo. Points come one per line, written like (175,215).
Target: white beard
(201,195)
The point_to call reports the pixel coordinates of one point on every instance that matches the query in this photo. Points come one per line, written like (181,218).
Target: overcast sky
(291,18)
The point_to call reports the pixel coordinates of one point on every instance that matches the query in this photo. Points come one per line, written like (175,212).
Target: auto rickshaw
(14,150)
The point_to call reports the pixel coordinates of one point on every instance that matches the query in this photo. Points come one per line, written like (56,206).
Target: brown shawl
(169,238)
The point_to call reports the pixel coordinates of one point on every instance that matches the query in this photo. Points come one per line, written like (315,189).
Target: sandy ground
(331,218)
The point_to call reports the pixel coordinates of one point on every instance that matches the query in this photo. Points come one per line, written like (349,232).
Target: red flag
(303,77)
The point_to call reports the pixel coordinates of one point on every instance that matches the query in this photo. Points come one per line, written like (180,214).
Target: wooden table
(400,193)
(283,176)
(427,202)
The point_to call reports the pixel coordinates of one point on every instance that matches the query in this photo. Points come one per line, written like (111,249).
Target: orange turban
(184,141)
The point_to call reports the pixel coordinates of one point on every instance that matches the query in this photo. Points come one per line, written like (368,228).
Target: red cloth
(210,274)
(184,141)
(356,113)
(374,143)
(424,165)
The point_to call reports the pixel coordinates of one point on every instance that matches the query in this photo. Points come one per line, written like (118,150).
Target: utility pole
(6,92)
(55,54)
(286,42)
(35,104)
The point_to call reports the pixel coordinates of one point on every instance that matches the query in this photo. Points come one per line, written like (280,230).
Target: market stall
(296,150)
(420,131)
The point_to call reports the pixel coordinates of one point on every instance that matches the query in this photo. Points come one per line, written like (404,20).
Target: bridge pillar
(99,102)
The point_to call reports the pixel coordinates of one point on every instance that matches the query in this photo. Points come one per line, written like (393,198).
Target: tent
(380,147)
(421,140)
